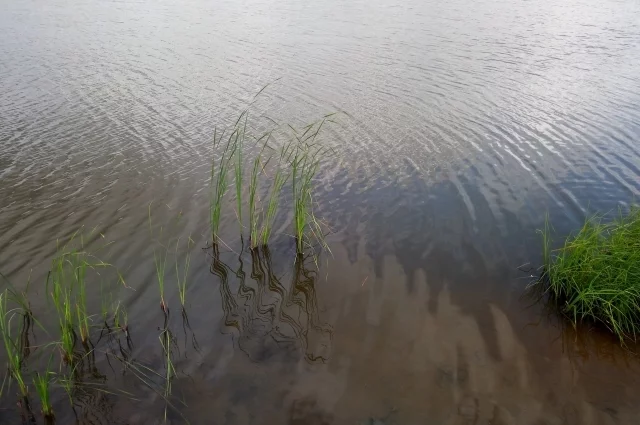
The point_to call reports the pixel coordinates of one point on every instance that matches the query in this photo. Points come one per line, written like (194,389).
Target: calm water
(464,123)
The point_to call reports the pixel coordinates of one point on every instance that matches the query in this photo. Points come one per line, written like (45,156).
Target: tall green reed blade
(301,178)
(182,278)
(42,384)
(298,211)
(28,319)
(279,180)
(60,280)
(305,163)
(253,186)
(78,262)
(219,185)
(160,262)
(239,165)
(259,166)
(12,348)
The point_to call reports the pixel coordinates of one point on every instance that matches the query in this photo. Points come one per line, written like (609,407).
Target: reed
(253,215)
(218,180)
(62,297)
(595,275)
(160,263)
(279,180)
(120,318)
(11,346)
(281,176)
(67,288)
(239,166)
(42,384)
(305,163)
(79,266)
(181,278)
(28,319)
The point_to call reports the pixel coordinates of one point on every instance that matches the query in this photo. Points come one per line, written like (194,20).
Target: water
(463,124)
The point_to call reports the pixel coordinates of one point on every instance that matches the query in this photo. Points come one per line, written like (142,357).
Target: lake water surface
(462,124)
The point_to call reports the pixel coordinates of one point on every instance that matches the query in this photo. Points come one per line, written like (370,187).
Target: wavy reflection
(270,315)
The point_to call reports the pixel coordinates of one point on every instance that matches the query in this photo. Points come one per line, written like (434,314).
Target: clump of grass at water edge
(595,276)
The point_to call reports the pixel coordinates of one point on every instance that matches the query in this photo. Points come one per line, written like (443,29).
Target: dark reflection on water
(466,121)
(268,317)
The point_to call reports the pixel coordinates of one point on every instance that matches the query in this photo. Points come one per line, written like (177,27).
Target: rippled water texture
(463,123)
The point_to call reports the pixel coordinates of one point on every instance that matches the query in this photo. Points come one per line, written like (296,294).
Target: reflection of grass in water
(595,276)
(165,341)
(282,307)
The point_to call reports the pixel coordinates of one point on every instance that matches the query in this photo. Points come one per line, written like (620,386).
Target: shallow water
(463,124)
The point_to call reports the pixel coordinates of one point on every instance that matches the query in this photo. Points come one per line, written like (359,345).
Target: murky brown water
(465,122)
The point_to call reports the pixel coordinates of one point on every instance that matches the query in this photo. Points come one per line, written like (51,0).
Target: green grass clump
(11,346)
(181,278)
(595,276)
(305,162)
(160,263)
(218,180)
(42,384)
(281,177)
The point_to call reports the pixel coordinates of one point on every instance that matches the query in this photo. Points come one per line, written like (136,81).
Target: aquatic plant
(120,318)
(181,279)
(595,275)
(281,176)
(42,384)
(11,346)
(258,165)
(239,165)
(305,163)
(79,265)
(218,180)
(61,295)
(67,288)
(160,263)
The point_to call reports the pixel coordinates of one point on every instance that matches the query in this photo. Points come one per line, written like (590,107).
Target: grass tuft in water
(42,384)
(281,176)
(218,180)
(595,276)
(305,163)
(11,346)
(160,263)
(60,282)
(258,166)
(239,165)
(181,278)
